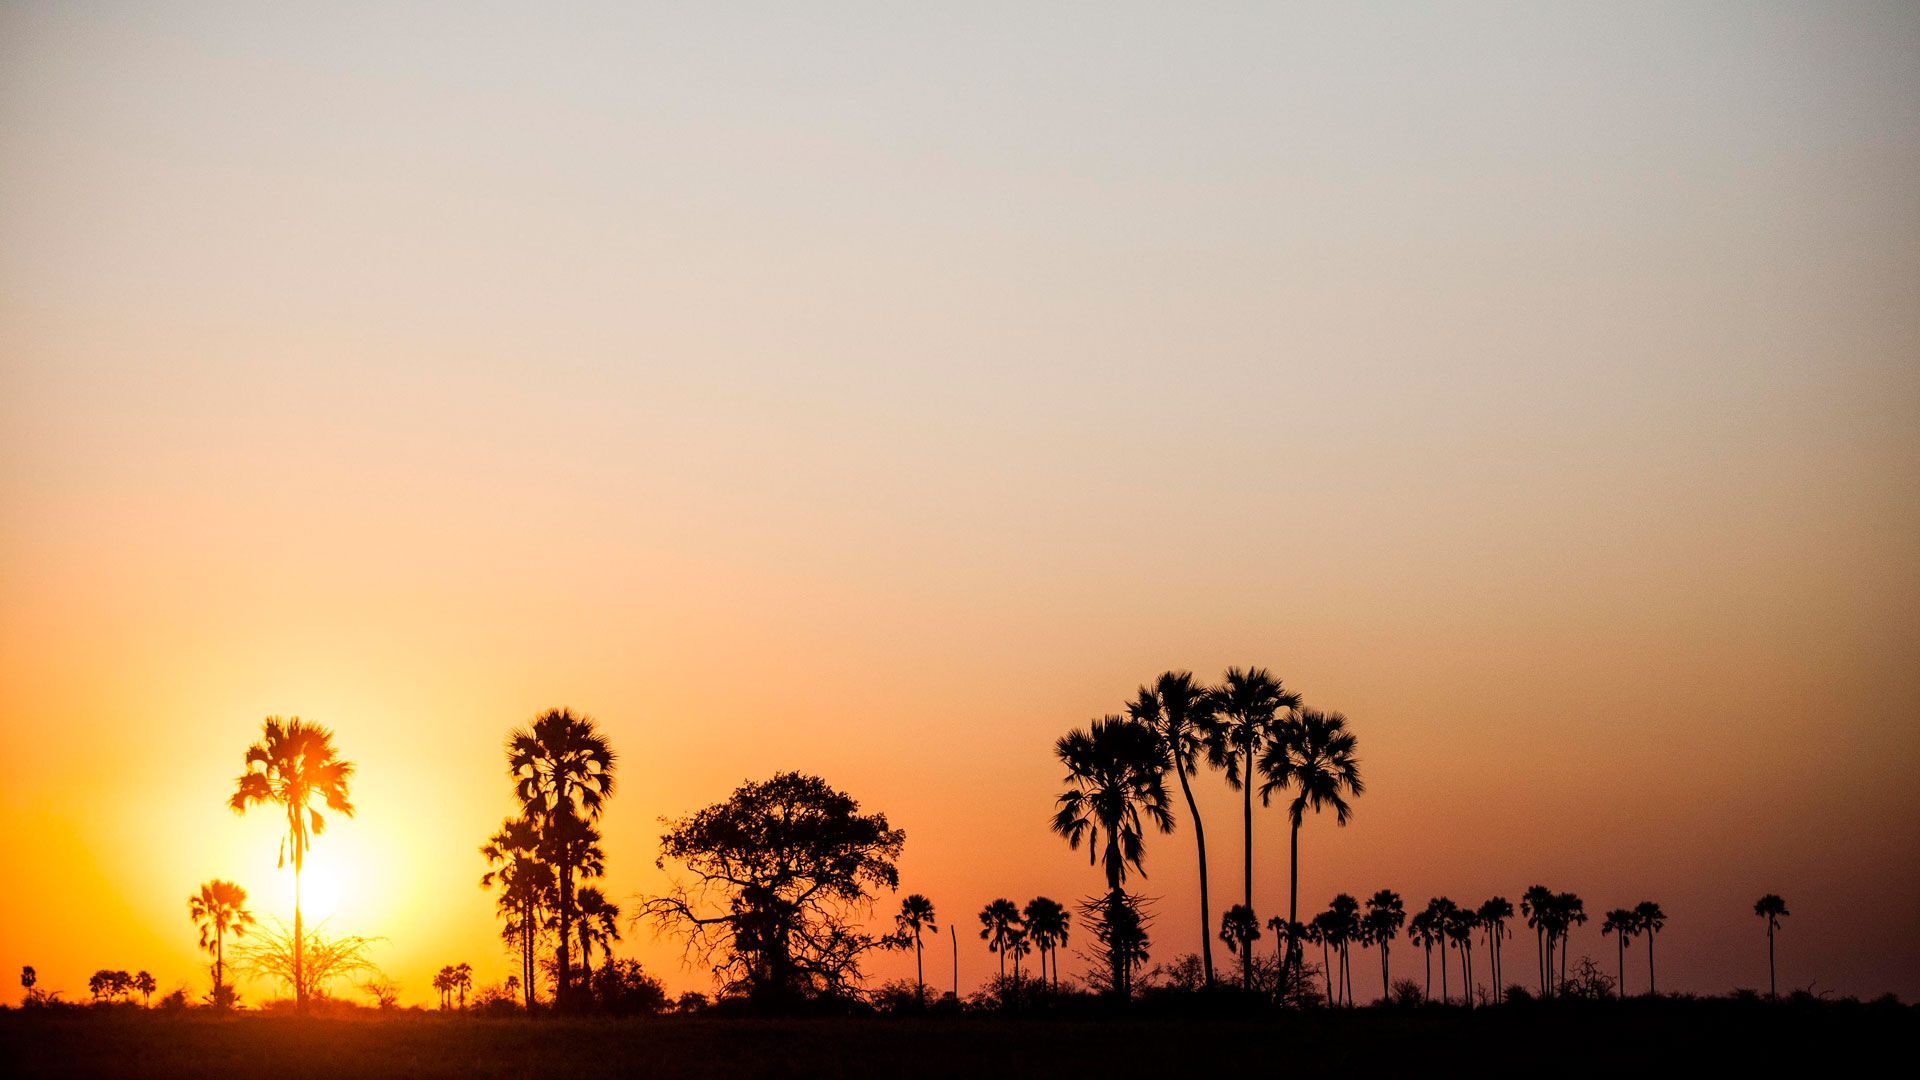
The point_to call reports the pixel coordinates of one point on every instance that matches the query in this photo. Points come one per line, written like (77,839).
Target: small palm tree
(916,915)
(290,766)
(143,982)
(463,981)
(1047,923)
(1771,908)
(563,773)
(526,892)
(1240,928)
(443,982)
(1324,930)
(1313,754)
(1568,912)
(1649,920)
(1346,912)
(1183,714)
(1460,925)
(219,909)
(1386,914)
(1493,917)
(599,926)
(1422,932)
(1441,913)
(999,926)
(1537,905)
(1621,923)
(1250,702)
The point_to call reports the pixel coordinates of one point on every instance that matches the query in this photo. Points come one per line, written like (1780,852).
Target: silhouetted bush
(1408,993)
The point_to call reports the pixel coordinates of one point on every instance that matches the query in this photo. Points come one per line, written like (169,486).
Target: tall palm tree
(563,773)
(463,981)
(1441,914)
(1240,928)
(599,926)
(1183,714)
(916,914)
(1115,769)
(1324,930)
(1493,917)
(219,909)
(1568,912)
(1422,932)
(1620,922)
(443,982)
(999,925)
(1649,920)
(1312,753)
(1386,913)
(292,764)
(1346,912)
(143,982)
(526,889)
(1249,702)
(1537,905)
(1771,908)
(1460,928)
(1047,923)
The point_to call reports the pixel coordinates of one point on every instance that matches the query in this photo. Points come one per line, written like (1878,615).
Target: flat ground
(1603,1040)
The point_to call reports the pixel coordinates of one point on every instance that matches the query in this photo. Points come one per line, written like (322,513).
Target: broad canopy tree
(780,873)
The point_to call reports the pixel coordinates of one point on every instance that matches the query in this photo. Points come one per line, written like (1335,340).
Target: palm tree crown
(219,909)
(1115,769)
(1183,714)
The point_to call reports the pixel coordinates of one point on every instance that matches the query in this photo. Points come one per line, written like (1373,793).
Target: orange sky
(879,395)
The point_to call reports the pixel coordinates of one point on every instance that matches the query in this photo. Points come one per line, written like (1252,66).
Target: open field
(1717,1036)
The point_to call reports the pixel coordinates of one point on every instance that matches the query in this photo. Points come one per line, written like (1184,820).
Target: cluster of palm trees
(118,985)
(1011,930)
(454,979)
(562,769)
(1251,728)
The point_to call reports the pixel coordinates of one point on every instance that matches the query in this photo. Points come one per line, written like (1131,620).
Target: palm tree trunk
(1773,987)
(954,936)
(1443,971)
(219,958)
(562,986)
(919,973)
(299,975)
(1246,814)
(1428,993)
(1200,841)
(1326,966)
(1293,899)
(1386,986)
(1620,945)
(1650,990)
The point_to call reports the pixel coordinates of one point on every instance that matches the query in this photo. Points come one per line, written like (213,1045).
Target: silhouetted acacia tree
(1182,713)
(1649,920)
(563,773)
(219,909)
(1313,754)
(780,868)
(290,766)
(1250,702)
(1114,772)
(1047,923)
(1386,913)
(1771,908)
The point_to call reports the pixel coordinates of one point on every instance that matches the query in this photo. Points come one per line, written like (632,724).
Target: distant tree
(1649,920)
(1621,923)
(28,977)
(1288,983)
(1118,922)
(1047,924)
(781,867)
(1386,914)
(1460,925)
(100,984)
(1771,908)
(1313,754)
(1239,929)
(1250,702)
(527,892)
(1183,714)
(1346,912)
(1441,915)
(1422,931)
(627,989)
(1493,917)
(1568,911)
(219,909)
(563,773)
(1324,930)
(1537,904)
(144,984)
(1000,925)
(916,915)
(599,927)
(1114,772)
(289,767)
(443,982)
(324,959)
(463,981)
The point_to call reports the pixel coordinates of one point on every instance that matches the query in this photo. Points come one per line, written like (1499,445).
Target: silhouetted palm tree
(443,982)
(1386,913)
(1250,703)
(1460,928)
(1346,918)
(289,767)
(599,926)
(1568,912)
(219,909)
(563,773)
(1441,914)
(1047,923)
(1182,713)
(144,983)
(1322,930)
(1115,769)
(463,981)
(1537,905)
(526,888)
(999,925)
(916,914)
(1240,928)
(1422,931)
(1649,920)
(1312,753)
(1621,923)
(1771,908)
(1493,917)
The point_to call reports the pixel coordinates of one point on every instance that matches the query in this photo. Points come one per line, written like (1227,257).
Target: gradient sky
(879,393)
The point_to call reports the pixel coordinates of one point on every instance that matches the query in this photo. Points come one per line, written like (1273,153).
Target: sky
(881,390)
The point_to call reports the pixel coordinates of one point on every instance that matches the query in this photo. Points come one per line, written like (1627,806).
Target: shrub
(1407,993)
